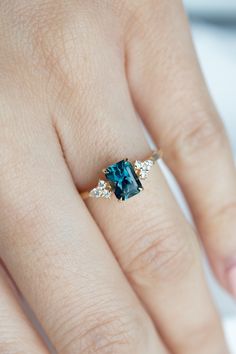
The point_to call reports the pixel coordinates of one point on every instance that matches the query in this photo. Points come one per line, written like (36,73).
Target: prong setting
(123,178)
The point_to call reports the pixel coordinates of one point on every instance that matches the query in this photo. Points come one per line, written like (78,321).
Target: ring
(123,178)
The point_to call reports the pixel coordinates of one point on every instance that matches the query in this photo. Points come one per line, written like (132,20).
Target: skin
(101,276)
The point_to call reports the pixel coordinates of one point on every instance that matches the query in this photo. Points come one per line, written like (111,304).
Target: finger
(16,332)
(57,255)
(148,234)
(178,111)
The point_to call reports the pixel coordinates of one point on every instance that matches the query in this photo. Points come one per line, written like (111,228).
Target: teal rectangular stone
(123,179)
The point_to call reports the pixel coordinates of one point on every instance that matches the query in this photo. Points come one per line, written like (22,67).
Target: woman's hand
(106,277)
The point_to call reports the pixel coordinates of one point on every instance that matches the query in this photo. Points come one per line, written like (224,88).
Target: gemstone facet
(123,179)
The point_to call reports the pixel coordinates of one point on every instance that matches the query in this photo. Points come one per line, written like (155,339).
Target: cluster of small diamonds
(102,190)
(142,168)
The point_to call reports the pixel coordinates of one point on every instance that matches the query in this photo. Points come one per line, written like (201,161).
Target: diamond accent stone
(95,193)
(106,194)
(142,168)
(102,184)
(101,191)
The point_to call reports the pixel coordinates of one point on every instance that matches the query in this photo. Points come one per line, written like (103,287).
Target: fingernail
(232,279)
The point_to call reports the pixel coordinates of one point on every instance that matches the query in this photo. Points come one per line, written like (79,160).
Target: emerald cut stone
(124,180)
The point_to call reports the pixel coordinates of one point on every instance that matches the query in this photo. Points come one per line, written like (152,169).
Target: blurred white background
(212,8)
(214,31)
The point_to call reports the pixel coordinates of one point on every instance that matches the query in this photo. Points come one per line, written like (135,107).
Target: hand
(108,277)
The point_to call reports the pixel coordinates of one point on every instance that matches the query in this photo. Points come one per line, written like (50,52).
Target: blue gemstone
(124,180)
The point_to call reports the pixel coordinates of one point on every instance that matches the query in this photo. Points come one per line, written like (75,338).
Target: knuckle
(109,332)
(196,135)
(158,252)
